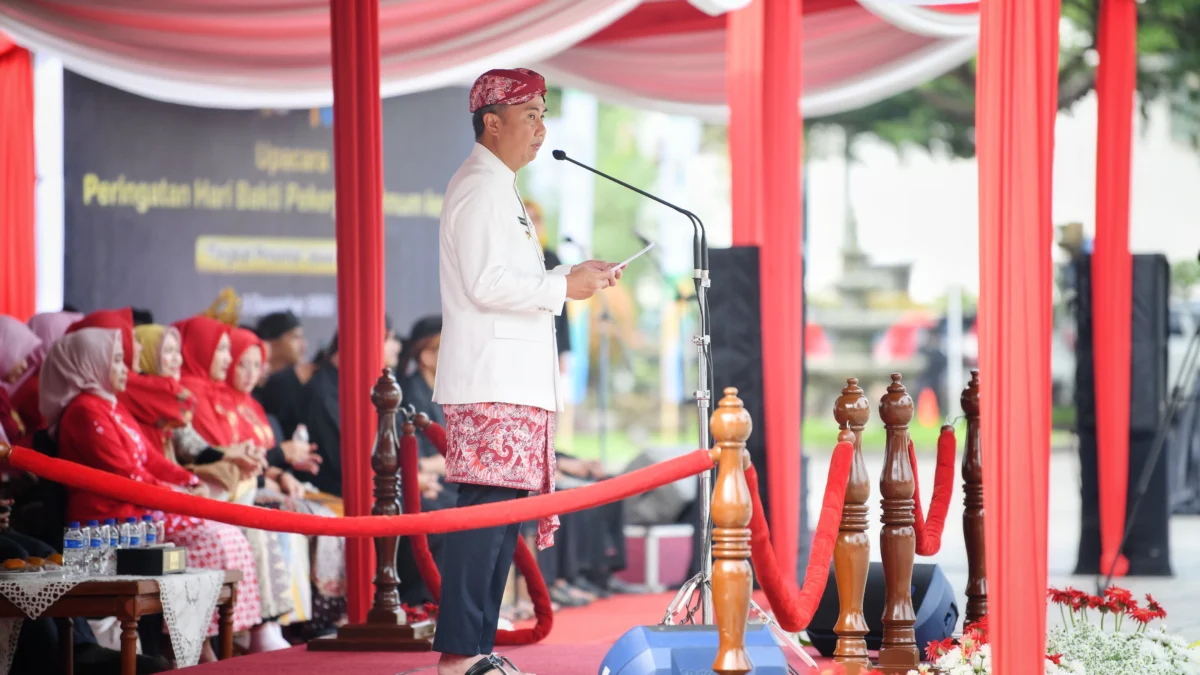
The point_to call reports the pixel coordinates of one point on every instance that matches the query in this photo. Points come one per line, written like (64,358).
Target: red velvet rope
(167,500)
(794,608)
(525,560)
(929,534)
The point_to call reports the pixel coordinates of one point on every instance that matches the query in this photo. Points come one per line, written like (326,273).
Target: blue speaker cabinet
(687,650)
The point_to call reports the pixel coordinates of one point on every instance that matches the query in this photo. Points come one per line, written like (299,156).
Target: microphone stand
(701,583)
(1189,369)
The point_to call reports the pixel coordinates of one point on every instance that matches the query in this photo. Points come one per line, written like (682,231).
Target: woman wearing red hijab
(81,377)
(206,361)
(164,409)
(281,490)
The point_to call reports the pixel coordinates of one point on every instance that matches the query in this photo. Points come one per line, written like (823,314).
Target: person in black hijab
(288,372)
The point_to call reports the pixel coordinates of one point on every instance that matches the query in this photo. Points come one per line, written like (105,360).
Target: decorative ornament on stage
(507,87)
(227,308)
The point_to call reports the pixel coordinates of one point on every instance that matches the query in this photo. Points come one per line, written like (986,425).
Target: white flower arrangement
(1078,647)
(1143,650)
(979,662)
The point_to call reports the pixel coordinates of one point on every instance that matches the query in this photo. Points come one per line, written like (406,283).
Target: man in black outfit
(415,371)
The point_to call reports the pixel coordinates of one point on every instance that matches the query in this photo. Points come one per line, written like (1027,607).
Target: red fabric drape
(1112,269)
(1016,104)
(744,91)
(764,143)
(18,179)
(359,183)
(794,607)
(929,533)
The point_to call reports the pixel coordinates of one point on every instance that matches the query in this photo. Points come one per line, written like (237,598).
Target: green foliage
(616,210)
(1185,277)
(940,115)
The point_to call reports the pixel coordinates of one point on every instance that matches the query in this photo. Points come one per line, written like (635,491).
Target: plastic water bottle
(300,435)
(74,549)
(149,532)
(97,547)
(131,533)
(160,530)
(113,534)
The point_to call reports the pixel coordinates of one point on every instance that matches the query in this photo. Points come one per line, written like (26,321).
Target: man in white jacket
(497,374)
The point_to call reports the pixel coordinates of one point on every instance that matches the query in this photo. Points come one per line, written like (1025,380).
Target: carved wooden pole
(972,474)
(732,576)
(384,460)
(898,542)
(387,627)
(852,551)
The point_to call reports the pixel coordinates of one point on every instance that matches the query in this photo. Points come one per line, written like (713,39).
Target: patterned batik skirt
(503,445)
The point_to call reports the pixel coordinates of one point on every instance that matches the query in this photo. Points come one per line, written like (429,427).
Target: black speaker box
(933,603)
(1148,548)
(735,302)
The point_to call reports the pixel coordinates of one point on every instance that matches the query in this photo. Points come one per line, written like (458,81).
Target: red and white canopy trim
(276,53)
(660,54)
(950,19)
(669,57)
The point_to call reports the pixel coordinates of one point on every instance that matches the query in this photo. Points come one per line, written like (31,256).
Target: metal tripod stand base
(699,585)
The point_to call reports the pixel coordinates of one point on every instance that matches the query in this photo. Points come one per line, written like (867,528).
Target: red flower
(977,631)
(1143,616)
(1059,597)
(1055,658)
(1118,594)
(1153,606)
(935,649)
(1096,602)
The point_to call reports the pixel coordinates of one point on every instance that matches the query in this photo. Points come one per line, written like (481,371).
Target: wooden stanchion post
(972,474)
(732,576)
(387,627)
(898,542)
(852,551)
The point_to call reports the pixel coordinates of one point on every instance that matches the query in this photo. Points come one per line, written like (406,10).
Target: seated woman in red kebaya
(79,381)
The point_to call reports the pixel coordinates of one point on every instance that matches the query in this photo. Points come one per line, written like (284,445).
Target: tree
(940,114)
(1185,277)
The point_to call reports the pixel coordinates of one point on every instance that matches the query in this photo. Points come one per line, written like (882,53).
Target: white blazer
(498,300)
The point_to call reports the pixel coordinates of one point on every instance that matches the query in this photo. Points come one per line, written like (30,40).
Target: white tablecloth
(188,599)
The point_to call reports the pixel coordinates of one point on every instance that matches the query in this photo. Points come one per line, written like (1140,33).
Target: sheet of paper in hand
(635,256)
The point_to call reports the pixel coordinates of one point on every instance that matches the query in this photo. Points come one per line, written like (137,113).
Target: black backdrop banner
(166,205)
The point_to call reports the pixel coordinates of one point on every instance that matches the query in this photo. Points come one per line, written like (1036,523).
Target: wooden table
(128,601)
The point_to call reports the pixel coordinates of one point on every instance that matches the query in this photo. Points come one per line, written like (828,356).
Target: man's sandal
(493,663)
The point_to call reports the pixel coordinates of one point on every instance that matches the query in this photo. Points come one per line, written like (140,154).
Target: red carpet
(576,646)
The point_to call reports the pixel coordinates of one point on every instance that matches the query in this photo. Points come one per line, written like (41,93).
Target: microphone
(699,241)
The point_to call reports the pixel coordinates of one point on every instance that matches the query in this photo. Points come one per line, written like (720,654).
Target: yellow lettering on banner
(243,195)
(273,159)
(260,196)
(141,196)
(266,255)
(212,196)
(310,199)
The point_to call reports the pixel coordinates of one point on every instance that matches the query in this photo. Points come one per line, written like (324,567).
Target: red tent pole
(765,135)
(358,170)
(1016,105)
(1112,269)
(18,179)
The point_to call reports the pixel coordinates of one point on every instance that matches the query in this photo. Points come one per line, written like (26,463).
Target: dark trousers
(474,566)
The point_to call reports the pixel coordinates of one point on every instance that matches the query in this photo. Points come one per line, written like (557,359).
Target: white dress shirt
(498,300)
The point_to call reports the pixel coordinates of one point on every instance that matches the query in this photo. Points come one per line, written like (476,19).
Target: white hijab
(79,362)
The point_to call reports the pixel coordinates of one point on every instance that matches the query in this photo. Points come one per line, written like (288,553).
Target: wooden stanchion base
(378,637)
